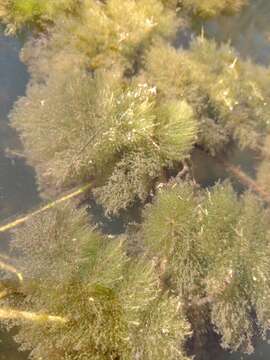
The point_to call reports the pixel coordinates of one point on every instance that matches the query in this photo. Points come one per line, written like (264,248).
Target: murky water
(18,191)
(17,180)
(248,32)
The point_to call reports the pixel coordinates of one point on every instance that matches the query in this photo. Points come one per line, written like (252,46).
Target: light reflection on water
(248,32)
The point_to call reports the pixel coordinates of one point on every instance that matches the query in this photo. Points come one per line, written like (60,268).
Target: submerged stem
(31,316)
(245,179)
(11,269)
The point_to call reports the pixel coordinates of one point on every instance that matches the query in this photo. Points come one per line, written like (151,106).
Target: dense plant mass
(119,30)
(229,96)
(210,8)
(113,306)
(17,13)
(120,68)
(124,132)
(215,248)
(138,130)
(207,254)
(97,127)
(112,101)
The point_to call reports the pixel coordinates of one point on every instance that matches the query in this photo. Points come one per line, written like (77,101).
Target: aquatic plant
(111,101)
(205,258)
(147,112)
(81,127)
(229,96)
(214,248)
(112,305)
(117,28)
(120,30)
(212,8)
(18,13)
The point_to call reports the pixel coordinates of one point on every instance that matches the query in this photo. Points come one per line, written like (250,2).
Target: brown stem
(245,179)
(183,172)
(240,175)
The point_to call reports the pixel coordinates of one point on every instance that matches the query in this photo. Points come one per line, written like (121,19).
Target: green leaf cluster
(230,96)
(215,250)
(100,127)
(38,13)
(93,116)
(114,305)
(119,30)
(103,113)
(206,258)
(111,101)
(18,13)
(212,8)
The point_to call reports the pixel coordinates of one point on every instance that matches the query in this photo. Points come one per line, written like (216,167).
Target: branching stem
(245,179)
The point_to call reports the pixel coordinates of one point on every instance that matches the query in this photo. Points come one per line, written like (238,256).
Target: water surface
(18,191)
(248,32)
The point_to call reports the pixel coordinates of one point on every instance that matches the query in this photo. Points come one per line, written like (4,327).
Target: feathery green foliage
(99,127)
(113,304)
(215,248)
(17,13)
(212,8)
(112,101)
(104,33)
(229,96)
(135,173)
(92,118)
